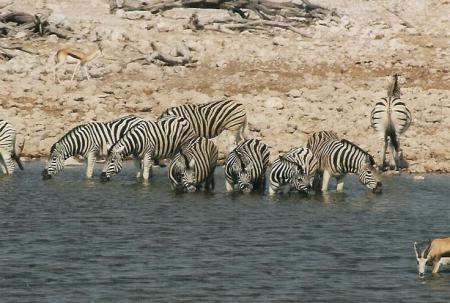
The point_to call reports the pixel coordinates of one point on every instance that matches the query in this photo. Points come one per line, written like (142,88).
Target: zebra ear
(119,149)
(369,160)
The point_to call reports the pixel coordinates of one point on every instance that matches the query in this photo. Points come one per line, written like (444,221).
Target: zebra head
(114,162)
(422,251)
(243,168)
(55,161)
(298,179)
(366,175)
(188,175)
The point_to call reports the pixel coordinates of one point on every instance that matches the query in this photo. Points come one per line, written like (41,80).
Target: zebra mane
(346,142)
(393,89)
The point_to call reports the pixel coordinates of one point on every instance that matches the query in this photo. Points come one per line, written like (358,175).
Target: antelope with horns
(432,253)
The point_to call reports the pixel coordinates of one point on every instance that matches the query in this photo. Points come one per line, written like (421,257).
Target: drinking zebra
(90,140)
(194,166)
(390,118)
(210,119)
(148,141)
(339,157)
(245,167)
(293,171)
(8,150)
(316,142)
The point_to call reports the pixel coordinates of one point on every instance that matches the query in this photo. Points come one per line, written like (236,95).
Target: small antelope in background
(70,54)
(432,253)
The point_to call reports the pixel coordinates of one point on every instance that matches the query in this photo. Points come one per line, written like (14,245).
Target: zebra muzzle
(378,188)
(104,177)
(46,175)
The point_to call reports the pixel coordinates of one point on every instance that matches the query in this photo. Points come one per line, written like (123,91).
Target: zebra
(8,150)
(294,170)
(246,165)
(339,157)
(90,140)
(148,141)
(210,119)
(315,143)
(194,165)
(390,118)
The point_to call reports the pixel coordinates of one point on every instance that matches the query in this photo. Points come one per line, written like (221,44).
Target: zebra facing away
(8,149)
(90,140)
(390,118)
(210,119)
(194,165)
(339,157)
(246,165)
(148,141)
(293,171)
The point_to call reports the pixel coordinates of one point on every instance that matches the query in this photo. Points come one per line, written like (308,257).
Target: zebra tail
(17,159)
(393,138)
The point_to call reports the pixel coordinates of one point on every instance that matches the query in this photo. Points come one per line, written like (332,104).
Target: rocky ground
(291,85)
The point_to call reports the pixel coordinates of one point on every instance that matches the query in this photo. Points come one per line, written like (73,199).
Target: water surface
(69,239)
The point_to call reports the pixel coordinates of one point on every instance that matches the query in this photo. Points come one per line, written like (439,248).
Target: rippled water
(75,240)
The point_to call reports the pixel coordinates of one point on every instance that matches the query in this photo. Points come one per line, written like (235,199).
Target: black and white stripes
(210,119)
(246,165)
(194,166)
(340,157)
(293,171)
(8,152)
(90,141)
(391,118)
(148,141)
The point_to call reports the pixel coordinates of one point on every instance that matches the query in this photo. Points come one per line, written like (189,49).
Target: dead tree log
(266,13)
(180,55)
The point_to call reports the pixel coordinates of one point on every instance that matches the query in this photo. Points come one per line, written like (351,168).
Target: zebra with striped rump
(246,165)
(210,119)
(90,140)
(340,157)
(148,141)
(293,171)
(194,166)
(8,150)
(390,118)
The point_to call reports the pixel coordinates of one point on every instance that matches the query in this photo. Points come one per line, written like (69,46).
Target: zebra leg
(233,139)
(8,164)
(229,185)
(146,167)
(394,156)
(340,184)
(138,165)
(383,155)
(90,162)
(325,180)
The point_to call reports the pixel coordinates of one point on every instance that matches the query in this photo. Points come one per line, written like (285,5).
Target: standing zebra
(90,140)
(194,165)
(210,119)
(294,170)
(391,118)
(339,157)
(8,150)
(246,166)
(148,141)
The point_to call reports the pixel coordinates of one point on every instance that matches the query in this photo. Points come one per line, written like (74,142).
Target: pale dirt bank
(290,85)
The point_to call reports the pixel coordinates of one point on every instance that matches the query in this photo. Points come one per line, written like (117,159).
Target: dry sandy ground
(291,85)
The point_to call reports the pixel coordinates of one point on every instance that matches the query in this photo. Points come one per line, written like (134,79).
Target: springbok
(432,253)
(70,54)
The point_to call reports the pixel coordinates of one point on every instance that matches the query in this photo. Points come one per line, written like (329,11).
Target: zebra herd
(182,134)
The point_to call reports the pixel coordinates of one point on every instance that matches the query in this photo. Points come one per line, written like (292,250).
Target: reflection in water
(78,240)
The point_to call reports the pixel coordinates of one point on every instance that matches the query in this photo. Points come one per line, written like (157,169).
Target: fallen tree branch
(181,56)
